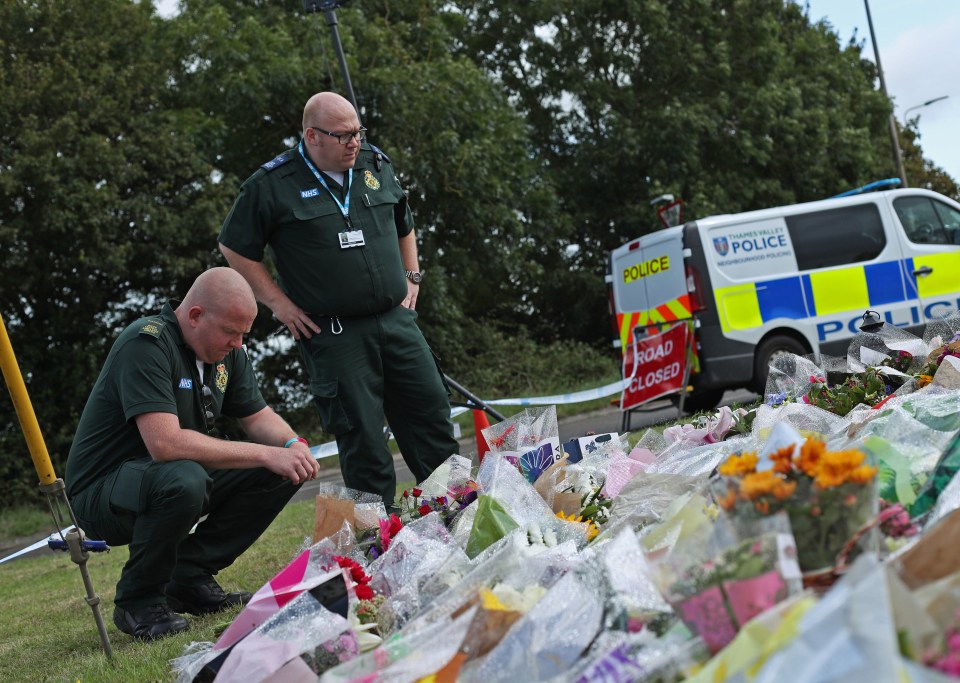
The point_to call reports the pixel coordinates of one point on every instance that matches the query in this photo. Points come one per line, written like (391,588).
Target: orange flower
(739,465)
(784,489)
(924,380)
(810,453)
(837,467)
(728,500)
(762,506)
(862,474)
(757,484)
(782,460)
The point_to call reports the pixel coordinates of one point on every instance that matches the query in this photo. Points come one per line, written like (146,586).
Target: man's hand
(295,463)
(411,299)
(295,319)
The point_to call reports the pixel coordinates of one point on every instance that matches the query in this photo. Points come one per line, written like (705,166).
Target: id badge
(351,238)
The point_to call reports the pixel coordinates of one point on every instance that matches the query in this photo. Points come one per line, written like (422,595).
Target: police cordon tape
(36,546)
(327,450)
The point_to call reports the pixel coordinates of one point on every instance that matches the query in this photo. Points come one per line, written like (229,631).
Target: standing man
(341,236)
(143,469)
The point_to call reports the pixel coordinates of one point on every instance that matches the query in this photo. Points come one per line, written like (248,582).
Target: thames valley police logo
(721,245)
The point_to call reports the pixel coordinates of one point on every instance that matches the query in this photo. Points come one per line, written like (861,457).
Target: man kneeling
(143,468)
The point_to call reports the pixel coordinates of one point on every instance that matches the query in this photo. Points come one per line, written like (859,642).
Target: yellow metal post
(21,402)
(49,483)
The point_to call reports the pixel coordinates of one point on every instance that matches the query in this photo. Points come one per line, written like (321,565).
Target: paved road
(600,422)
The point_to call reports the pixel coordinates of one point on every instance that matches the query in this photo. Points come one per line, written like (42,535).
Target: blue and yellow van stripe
(857,288)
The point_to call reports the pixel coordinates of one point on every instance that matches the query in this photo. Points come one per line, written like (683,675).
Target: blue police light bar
(887,184)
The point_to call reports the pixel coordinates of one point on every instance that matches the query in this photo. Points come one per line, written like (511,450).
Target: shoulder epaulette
(278,161)
(379,156)
(152,327)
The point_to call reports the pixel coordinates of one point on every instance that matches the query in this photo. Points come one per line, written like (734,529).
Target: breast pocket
(383,207)
(317,224)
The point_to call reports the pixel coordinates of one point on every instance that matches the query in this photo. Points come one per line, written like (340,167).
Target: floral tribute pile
(810,537)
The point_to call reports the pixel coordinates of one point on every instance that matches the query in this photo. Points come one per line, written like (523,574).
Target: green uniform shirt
(284,206)
(150,369)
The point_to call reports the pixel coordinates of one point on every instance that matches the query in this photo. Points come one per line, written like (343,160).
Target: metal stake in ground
(50,484)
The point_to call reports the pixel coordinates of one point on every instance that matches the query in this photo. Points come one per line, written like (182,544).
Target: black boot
(202,598)
(149,622)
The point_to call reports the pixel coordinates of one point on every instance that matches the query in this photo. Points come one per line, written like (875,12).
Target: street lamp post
(894,137)
(906,119)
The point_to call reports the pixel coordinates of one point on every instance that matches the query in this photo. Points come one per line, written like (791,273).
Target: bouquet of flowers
(869,387)
(828,495)
(717,583)
(951,348)
(413,504)
(375,541)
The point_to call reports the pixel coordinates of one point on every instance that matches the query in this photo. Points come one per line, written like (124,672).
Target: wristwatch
(414,276)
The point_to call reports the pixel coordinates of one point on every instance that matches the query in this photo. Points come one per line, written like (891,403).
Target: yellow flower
(592,529)
(571,518)
(924,380)
(739,465)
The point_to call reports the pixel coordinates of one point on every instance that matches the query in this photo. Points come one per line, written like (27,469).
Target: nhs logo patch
(721,245)
(306,194)
(186,383)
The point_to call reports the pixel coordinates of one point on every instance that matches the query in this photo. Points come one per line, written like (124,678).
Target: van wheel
(699,401)
(766,352)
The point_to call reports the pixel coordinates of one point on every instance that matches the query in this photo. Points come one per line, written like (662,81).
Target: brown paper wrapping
(331,514)
(934,556)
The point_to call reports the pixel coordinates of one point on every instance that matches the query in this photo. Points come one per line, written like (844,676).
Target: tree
(731,104)
(105,202)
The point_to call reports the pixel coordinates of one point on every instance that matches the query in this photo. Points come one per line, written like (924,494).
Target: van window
(837,236)
(928,221)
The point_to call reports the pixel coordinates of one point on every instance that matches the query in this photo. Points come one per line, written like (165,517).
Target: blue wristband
(294,440)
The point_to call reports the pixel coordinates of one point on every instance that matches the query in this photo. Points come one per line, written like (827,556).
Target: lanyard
(343,206)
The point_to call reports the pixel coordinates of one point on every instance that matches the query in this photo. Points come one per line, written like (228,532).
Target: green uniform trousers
(367,368)
(153,505)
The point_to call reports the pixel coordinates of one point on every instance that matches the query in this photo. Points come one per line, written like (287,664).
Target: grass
(22,521)
(48,633)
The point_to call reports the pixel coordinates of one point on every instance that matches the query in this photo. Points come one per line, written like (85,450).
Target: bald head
(218,309)
(219,290)
(324,108)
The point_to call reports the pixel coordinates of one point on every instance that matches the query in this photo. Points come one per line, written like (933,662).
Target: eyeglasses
(208,408)
(345,138)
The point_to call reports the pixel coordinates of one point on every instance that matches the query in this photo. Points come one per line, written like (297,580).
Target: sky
(919,44)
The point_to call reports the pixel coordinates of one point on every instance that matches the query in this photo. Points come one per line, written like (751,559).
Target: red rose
(364,592)
(417,492)
(395,525)
(424,510)
(406,494)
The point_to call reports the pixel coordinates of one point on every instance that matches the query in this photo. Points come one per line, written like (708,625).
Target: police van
(788,279)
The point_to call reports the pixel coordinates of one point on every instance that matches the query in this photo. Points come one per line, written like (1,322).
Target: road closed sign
(654,366)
